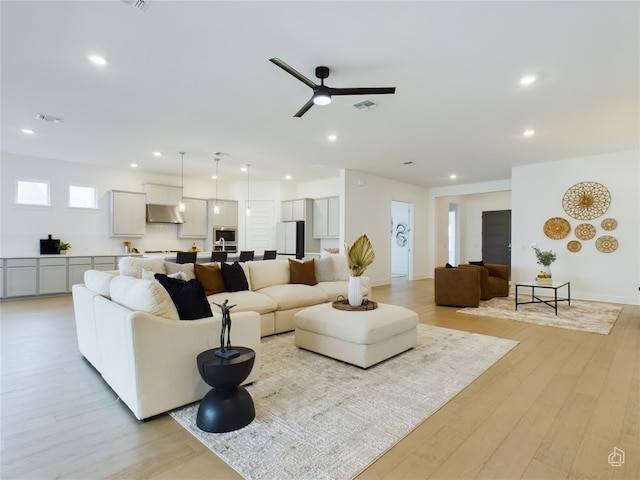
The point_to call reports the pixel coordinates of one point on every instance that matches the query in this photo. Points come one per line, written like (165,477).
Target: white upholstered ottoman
(362,338)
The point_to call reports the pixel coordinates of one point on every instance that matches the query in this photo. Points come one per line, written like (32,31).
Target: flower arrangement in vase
(359,256)
(545,259)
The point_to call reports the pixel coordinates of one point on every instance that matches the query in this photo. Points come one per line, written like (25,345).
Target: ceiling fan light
(321,95)
(322,98)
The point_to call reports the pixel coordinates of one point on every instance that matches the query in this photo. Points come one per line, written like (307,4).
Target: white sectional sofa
(129,329)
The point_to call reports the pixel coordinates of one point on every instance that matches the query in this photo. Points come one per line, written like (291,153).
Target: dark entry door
(496,237)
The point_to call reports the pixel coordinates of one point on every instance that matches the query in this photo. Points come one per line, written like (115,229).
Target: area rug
(584,316)
(318,418)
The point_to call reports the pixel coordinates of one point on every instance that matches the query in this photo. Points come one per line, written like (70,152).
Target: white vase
(355,291)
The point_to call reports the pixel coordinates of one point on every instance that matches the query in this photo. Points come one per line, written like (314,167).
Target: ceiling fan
(321,93)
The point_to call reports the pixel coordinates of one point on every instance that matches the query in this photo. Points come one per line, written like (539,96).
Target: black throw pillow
(479,264)
(188,297)
(448,265)
(234,277)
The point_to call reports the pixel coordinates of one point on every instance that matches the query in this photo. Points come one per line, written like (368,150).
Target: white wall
(537,196)
(367,210)
(488,195)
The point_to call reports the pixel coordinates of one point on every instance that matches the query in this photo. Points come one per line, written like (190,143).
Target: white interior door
(400,239)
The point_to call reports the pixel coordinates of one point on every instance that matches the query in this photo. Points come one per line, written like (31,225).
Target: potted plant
(359,256)
(63,247)
(545,259)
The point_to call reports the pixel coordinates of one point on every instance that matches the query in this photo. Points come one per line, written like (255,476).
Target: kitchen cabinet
(52,276)
(228,216)
(21,277)
(104,263)
(296,210)
(195,219)
(77,267)
(326,217)
(163,194)
(128,214)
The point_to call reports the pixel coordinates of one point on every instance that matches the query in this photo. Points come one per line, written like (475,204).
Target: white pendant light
(216,207)
(248,211)
(181,205)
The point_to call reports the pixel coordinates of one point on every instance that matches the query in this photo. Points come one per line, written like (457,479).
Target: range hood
(163,214)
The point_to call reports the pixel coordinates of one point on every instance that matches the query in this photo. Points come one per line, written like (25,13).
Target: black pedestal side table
(228,406)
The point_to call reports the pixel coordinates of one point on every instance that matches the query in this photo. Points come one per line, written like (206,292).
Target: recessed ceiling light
(528,80)
(529,133)
(243,169)
(214,177)
(157,154)
(133,165)
(288,177)
(453,176)
(97,59)
(28,131)
(332,138)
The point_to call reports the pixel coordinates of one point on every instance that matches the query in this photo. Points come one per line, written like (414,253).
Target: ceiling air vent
(365,105)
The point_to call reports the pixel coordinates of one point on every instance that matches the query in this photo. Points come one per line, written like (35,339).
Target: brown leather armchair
(466,285)
(494,280)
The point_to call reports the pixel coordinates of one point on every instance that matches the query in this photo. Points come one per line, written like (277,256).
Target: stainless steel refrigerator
(290,239)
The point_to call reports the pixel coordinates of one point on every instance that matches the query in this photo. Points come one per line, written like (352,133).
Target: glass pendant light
(248,211)
(216,207)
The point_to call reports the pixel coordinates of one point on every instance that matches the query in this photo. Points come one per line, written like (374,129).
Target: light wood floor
(554,407)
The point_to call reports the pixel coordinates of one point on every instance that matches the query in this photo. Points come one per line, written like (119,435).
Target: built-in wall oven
(225,239)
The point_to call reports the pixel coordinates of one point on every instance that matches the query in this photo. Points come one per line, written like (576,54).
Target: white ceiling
(195,76)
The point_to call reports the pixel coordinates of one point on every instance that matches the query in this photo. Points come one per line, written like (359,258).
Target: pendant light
(181,206)
(248,211)
(216,207)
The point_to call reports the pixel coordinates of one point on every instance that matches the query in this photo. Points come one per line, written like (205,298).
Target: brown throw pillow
(302,272)
(210,277)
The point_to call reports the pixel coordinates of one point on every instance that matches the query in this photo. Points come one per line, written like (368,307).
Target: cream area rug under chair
(594,317)
(318,418)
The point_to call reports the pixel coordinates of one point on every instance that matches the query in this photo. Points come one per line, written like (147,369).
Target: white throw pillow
(324,269)
(143,296)
(133,266)
(149,275)
(185,268)
(98,281)
(341,267)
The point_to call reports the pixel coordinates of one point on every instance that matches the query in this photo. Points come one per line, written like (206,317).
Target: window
(33,192)
(83,196)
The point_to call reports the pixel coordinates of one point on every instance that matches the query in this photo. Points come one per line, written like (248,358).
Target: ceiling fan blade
(293,72)
(362,91)
(304,109)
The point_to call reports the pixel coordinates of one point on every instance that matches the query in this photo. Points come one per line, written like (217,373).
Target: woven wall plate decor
(585,231)
(586,200)
(609,224)
(606,244)
(556,228)
(574,246)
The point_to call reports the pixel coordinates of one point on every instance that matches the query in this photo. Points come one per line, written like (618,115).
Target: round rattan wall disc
(574,246)
(556,228)
(609,224)
(606,244)
(586,200)
(585,231)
